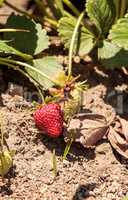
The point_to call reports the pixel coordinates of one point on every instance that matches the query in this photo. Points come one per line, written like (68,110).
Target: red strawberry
(49,118)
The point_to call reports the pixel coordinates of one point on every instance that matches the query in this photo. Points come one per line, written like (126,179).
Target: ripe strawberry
(49,118)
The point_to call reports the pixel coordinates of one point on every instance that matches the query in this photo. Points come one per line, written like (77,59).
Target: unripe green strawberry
(49,118)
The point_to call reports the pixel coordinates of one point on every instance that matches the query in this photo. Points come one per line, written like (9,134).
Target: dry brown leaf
(124,125)
(90,137)
(89,129)
(114,140)
(119,138)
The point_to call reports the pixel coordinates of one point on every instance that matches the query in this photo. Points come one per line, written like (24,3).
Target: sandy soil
(98,174)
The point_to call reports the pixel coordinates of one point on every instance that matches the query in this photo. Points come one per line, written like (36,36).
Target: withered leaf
(6,162)
(124,125)
(119,137)
(118,142)
(89,128)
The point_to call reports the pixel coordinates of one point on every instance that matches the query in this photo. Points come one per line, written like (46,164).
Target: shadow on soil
(82,192)
(5,189)
(111,79)
(76,150)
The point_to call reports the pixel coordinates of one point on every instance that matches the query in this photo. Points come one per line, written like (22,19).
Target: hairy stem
(1,133)
(117,6)
(25,65)
(123,8)
(19,10)
(54,163)
(37,85)
(59,5)
(32,16)
(42,8)
(73,42)
(72,7)
(53,9)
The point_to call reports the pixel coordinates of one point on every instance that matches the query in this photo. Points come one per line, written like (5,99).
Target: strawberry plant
(20,51)
(105,31)
(22,47)
(6,155)
(50,10)
(125,198)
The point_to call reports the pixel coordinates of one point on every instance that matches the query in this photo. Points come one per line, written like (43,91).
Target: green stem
(67,14)
(53,9)
(41,95)
(117,5)
(12,30)
(67,148)
(60,6)
(19,10)
(51,21)
(1,133)
(42,8)
(1,144)
(46,14)
(72,7)
(54,163)
(32,16)
(73,42)
(29,77)
(123,8)
(6,60)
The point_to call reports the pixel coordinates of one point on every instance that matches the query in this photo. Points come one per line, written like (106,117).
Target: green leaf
(6,162)
(1,3)
(107,50)
(49,66)
(54,163)
(125,198)
(84,38)
(32,42)
(102,13)
(112,56)
(73,105)
(71,138)
(5,48)
(67,149)
(119,33)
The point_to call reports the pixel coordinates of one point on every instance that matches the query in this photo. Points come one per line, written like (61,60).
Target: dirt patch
(92,174)
(98,174)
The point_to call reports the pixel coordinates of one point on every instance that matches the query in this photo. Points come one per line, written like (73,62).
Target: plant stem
(12,30)
(24,56)
(67,149)
(46,14)
(72,43)
(32,16)
(51,21)
(29,77)
(72,7)
(19,10)
(32,80)
(41,94)
(14,62)
(117,5)
(123,8)
(1,133)
(53,9)
(42,8)
(60,6)
(1,144)
(54,163)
